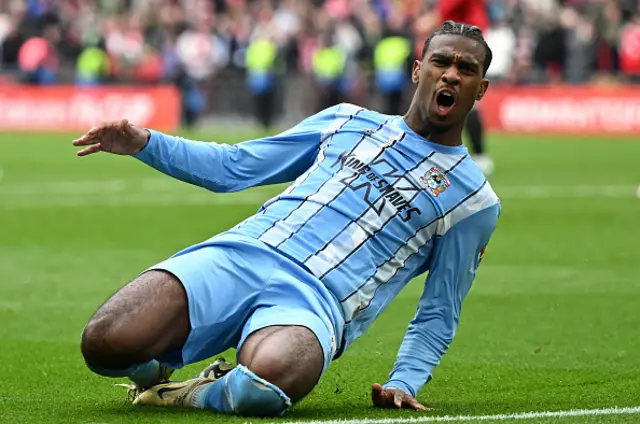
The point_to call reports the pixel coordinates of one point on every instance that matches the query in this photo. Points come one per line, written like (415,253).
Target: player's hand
(394,398)
(117,137)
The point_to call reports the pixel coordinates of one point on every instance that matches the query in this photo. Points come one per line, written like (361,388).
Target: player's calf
(278,366)
(143,320)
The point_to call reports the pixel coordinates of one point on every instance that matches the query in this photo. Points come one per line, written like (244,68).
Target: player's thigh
(222,279)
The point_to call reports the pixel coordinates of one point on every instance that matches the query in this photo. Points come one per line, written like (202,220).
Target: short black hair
(463,30)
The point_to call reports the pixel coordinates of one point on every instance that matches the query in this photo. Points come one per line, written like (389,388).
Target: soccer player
(376,200)
(470,12)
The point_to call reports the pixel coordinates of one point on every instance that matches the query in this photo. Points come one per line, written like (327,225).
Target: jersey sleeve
(228,168)
(456,257)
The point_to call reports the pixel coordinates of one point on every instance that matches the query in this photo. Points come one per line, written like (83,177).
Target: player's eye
(467,69)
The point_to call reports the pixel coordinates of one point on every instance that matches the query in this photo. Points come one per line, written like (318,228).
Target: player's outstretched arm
(214,166)
(453,266)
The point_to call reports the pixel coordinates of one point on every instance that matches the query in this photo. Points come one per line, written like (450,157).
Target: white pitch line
(474,418)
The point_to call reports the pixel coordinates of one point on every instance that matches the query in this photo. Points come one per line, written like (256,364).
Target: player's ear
(484,86)
(415,73)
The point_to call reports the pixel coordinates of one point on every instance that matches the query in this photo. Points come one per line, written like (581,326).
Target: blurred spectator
(630,48)
(38,57)
(330,71)
(261,64)
(92,66)
(392,62)
(501,38)
(609,18)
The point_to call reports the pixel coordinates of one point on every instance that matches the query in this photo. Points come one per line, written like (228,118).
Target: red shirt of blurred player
(472,12)
(630,49)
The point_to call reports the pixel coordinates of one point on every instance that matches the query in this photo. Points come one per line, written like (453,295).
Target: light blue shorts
(237,285)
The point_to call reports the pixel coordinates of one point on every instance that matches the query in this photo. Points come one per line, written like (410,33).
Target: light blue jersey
(372,205)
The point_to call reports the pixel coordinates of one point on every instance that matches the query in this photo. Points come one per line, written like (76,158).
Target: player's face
(449,79)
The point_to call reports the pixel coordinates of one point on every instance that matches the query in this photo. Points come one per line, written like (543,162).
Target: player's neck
(451,136)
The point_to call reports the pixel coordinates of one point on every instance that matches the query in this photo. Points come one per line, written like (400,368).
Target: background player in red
(471,12)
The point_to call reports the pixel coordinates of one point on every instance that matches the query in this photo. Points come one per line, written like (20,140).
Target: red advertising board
(70,108)
(563,109)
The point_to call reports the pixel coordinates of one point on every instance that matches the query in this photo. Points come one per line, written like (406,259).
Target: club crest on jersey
(435,181)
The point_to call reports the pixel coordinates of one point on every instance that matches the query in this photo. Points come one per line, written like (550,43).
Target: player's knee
(109,340)
(291,358)
(104,344)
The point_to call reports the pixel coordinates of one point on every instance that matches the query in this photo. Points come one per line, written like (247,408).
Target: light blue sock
(241,392)
(142,374)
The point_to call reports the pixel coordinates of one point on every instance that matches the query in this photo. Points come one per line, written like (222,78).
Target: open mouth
(445,100)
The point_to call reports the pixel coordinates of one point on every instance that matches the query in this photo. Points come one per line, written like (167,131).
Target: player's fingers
(397,398)
(128,128)
(376,394)
(99,129)
(125,126)
(414,404)
(91,136)
(94,148)
(85,140)
(381,397)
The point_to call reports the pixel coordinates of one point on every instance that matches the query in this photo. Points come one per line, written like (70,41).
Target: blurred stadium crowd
(186,42)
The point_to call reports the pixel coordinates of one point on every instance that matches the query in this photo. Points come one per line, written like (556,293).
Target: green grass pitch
(551,323)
